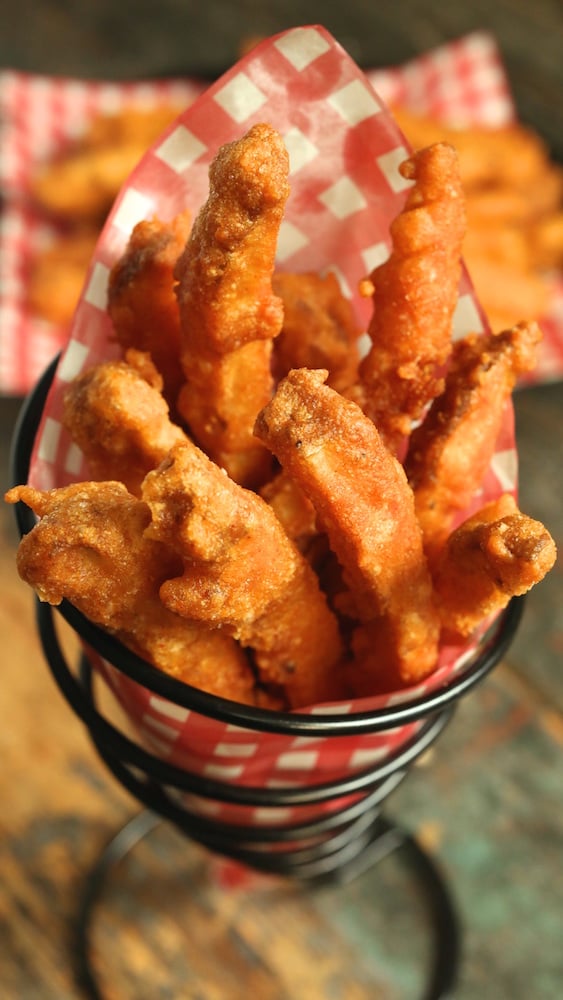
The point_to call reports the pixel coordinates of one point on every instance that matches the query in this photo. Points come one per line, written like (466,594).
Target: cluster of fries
(514,199)
(270,516)
(75,190)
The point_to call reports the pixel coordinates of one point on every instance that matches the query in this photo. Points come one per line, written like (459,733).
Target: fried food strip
(90,547)
(414,296)
(228,311)
(241,574)
(494,555)
(142,303)
(117,416)
(366,507)
(83,181)
(319,328)
(451,450)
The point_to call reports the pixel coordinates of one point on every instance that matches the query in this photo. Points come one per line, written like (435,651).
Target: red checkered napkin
(345,189)
(39,116)
(462,82)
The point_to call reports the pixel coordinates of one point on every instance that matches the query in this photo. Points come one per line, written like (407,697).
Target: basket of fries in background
(272,478)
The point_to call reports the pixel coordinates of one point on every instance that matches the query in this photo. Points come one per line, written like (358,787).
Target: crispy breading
(116,414)
(319,329)
(229,313)
(365,506)
(492,556)
(450,452)
(415,292)
(90,547)
(243,575)
(142,303)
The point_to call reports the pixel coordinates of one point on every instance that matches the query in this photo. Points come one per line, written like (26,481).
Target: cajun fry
(492,556)
(243,575)
(451,450)
(141,297)
(90,547)
(228,311)
(117,416)
(365,505)
(415,293)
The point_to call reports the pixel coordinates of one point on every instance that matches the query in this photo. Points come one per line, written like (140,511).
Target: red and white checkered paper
(462,83)
(345,189)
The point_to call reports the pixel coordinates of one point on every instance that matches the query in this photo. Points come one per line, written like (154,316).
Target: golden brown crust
(90,547)
(414,296)
(142,302)
(242,574)
(450,452)
(117,416)
(365,505)
(494,555)
(229,313)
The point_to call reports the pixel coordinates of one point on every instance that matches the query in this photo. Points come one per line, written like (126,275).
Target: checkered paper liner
(345,149)
(461,82)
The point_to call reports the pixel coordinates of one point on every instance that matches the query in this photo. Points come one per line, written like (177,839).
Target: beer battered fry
(142,303)
(494,555)
(241,574)
(90,547)
(319,328)
(414,294)
(229,313)
(451,450)
(117,416)
(366,507)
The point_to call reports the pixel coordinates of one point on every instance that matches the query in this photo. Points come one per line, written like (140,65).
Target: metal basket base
(385,838)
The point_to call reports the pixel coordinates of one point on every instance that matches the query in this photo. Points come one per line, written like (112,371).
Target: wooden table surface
(488,802)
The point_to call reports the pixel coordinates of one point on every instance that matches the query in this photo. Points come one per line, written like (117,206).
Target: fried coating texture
(142,302)
(494,555)
(319,328)
(90,547)
(365,506)
(243,575)
(116,414)
(450,452)
(228,311)
(415,293)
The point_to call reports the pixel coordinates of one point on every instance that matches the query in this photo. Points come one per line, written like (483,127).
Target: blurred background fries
(514,191)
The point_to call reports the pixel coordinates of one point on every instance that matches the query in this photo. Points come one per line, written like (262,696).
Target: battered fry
(494,555)
(241,574)
(142,303)
(366,507)
(319,328)
(451,450)
(90,547)
(229,313)
(414,296)
(116,414)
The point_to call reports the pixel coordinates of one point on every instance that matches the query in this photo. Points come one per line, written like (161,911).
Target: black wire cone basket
(346,834)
